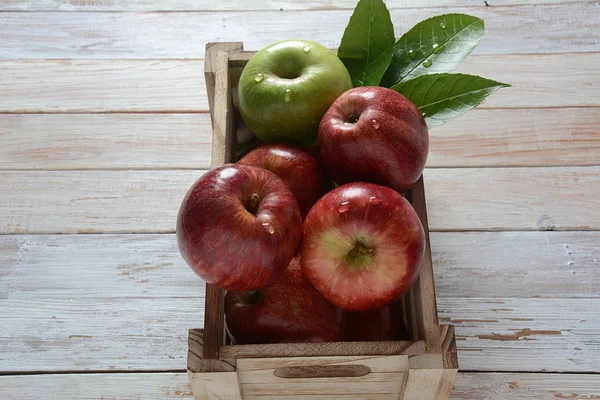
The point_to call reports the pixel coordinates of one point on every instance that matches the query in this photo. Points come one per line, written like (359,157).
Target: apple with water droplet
(302,172)
(374,134)
(362,246)
(286,88)
(238,227)
(291,310)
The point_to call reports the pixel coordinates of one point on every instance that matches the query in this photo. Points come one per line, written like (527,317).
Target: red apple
(380,324)
(362,246)
(303,173)
(374,134)
(290,310)
(238,227)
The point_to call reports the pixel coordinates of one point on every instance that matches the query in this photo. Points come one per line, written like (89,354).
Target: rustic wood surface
(104,125)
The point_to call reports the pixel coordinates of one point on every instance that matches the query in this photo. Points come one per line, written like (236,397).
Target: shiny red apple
(362,246)
(302,172)
(238,227)
(291,310)
(374,134)
(379,324)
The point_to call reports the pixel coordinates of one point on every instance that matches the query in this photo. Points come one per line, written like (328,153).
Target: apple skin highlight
(238,227)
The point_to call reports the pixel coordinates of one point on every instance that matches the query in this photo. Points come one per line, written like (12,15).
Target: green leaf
(368,43)
(432,46)
(443,97)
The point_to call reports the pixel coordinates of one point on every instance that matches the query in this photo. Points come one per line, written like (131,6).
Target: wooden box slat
(421,368)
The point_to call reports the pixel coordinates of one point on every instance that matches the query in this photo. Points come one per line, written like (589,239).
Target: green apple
(287,87)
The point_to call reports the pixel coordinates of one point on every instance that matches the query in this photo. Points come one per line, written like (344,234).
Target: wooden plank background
(104,126)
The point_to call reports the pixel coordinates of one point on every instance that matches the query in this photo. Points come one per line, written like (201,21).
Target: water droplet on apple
(375,123)
(344,207)
(427,63)
(287,95)
(259,78)
(374,200)
(443,25)
(268,228)
(411,53)
(306,48)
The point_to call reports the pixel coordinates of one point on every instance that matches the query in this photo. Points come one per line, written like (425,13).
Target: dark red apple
(362,246)
(303,173)
(238,227)
(290,310)
(380,324)
(374,134)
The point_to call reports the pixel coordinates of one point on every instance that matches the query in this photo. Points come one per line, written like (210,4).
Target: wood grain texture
(86,35)
(322,349)
(237,5)
(517,137)
(434,384)
(102,86)
(125,302)
(95,302)
(526,386)
(168,386)
(259,380)
(178,85)
(107,386)
(424,315)
(111,141)
(95,201)
(494,332)
(148,201)
(515,198)
(517,264)
(480,138)
(222,386)
(531,87)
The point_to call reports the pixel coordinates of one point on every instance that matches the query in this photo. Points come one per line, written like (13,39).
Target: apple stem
(253,203)
(359,256)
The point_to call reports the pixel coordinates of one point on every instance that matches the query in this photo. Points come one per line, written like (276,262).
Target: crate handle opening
(322,371)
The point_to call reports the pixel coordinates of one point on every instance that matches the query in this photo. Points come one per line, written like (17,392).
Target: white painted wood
(238,5)
(497,137)
(107,386)
(178,85)
(92,201)
(94,268)
(517,137)
(228,5)
(513,386)
(60,333)
(167,386)
(531,86)
(88,141)
(125,302)
(148,201)
(513,198)
(517,334)
(183,35)
(101,86)
(517,264)
(95,302)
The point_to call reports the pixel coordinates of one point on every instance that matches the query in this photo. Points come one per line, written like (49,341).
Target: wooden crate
(422,368)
